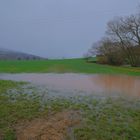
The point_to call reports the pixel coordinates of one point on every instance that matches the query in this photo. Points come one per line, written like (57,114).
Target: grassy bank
(63,66)
(100,119)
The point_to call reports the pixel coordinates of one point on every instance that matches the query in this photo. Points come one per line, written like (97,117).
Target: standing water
(82,84)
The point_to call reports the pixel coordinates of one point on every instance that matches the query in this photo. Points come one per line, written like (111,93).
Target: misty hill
(6,54)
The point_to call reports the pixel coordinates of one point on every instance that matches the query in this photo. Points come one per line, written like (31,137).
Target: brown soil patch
(53,128)
(1,136)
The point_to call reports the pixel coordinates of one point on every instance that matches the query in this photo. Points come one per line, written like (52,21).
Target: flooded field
(51,107)
(82,84)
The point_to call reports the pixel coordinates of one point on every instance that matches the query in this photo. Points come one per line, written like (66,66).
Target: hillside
(6,54)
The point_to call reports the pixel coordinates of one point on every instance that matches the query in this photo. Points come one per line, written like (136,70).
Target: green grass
(63,66)
(112,119)
(102,119)
(15,107)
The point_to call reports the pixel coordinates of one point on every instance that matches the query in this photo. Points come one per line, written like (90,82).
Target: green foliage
(9,135)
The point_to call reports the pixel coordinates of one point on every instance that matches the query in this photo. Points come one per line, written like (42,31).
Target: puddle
(82,84)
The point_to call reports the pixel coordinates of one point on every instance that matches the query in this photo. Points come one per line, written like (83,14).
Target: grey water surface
(71,84)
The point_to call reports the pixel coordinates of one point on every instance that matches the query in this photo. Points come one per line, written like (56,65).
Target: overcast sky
(57,28)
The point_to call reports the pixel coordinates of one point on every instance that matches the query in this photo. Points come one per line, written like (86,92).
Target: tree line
(121,43)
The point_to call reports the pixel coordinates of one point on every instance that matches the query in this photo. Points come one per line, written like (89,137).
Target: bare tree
(90,53)
(107,52)
(126,31)
(123,38)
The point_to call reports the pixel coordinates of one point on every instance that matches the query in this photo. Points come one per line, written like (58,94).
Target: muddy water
(81,84)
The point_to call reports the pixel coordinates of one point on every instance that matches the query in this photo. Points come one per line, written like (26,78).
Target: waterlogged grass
(63,66)
(113,119)
(15,107)
(102,119)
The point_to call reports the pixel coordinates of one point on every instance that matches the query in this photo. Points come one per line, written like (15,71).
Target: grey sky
(57,28)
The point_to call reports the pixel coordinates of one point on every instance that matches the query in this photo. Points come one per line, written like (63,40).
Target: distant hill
(6,54)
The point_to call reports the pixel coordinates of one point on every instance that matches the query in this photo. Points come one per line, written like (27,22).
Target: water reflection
(77,84)
(125,85)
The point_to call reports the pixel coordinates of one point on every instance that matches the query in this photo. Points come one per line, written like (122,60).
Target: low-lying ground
(53,127)
(26,116)
(63,66)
